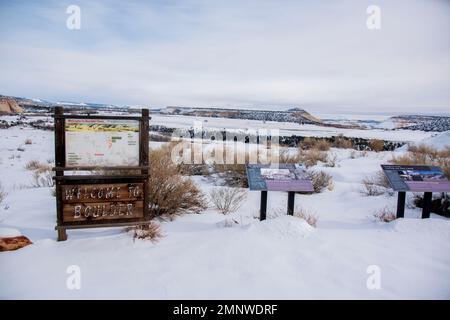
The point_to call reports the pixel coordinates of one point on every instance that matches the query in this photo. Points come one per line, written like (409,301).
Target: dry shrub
(43,177)
(385,214)
(36,165)
(331,160)
(3,194)
(317,144)
(150,231)
(382,180)
(358,154)
(304,214)
(227,200)
(299,212)
(370,188)
(375,185)
(376,145)
(320,180)
(342,143)
(234,175)
(170,193)
(28,141)
(311,157)
(287,156)
(194,169)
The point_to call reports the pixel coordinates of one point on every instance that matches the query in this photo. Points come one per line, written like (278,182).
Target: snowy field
(383,130)
(289,128)
(200,258)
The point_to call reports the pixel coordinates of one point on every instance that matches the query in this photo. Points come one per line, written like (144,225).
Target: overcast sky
(319,55)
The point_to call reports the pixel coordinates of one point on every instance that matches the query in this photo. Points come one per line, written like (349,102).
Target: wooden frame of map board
(92,201)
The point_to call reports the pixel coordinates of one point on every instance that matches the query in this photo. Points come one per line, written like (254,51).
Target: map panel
(104,142)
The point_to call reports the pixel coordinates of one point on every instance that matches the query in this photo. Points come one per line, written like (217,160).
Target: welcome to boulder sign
(106,144)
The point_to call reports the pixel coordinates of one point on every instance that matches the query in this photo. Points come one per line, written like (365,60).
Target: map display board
(285,177)
(416,178)
(104,142)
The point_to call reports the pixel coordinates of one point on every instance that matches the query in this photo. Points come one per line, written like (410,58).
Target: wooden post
(291,201)
(60,161)
(144,157)
(426,205)
(263,207)
(401,204)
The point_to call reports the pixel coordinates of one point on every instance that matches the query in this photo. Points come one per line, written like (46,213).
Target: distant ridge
(296,115)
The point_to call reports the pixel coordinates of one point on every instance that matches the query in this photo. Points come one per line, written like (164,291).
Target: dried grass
(3,194)
(36,165)
(342,143)
(227,200)
(317,144)
(151,231)
(320,180)
(311,157)
(304,214)
(376,145)
(385,214)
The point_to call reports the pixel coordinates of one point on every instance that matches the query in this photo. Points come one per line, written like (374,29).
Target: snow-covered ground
(200,258)
(383,129)
(289,128)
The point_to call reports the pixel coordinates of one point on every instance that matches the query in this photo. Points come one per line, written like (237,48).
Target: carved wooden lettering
(102,202)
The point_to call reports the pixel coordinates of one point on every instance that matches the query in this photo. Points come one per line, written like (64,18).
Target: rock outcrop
(8,105)
(13,243)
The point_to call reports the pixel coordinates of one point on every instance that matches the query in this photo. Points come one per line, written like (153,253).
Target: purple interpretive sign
(284,177)
(416,178)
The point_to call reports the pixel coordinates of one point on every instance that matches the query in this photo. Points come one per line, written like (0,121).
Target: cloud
(319,55)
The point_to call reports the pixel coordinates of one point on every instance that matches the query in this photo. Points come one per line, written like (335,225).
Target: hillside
(296,115)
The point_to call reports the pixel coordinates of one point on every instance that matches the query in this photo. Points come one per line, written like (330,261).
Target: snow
(439,141)
(287,128)
(283,227)
(216,256)
(9,232)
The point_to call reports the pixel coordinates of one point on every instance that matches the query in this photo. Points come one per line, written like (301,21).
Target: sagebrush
(385,214)
(3,194)
(151,231)
(227,200)
(320,180)
(375,185)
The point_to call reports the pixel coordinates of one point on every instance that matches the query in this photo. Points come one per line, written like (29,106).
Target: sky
(318,55)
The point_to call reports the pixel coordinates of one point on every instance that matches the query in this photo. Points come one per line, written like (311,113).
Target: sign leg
(291,200)
(263,207)
(62,235)
(426,205)
(401,204)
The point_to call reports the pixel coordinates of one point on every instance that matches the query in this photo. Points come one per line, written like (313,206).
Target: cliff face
(8,105)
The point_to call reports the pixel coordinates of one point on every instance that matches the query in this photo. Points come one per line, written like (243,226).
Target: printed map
(93,142)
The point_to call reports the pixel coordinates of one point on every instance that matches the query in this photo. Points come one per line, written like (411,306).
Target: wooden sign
(105,144)
(99,202)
